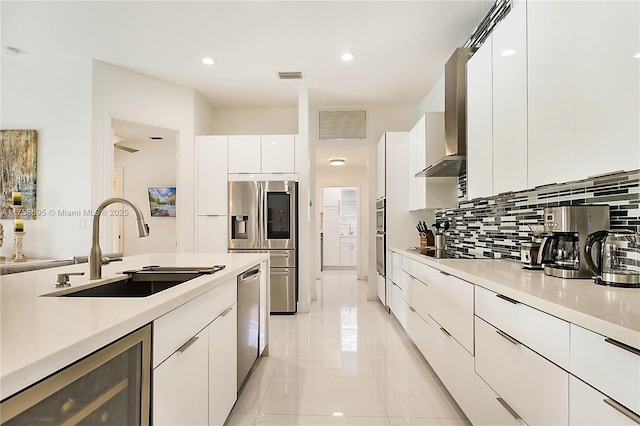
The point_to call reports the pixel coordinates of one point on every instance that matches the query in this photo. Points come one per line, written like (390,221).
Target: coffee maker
(565,231)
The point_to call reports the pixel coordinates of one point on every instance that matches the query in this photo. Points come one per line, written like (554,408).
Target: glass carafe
(616,261)
(565,251)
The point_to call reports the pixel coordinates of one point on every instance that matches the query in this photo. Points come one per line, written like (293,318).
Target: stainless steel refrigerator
(263,217)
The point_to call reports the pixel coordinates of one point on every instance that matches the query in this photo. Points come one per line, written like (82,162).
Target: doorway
(339,226)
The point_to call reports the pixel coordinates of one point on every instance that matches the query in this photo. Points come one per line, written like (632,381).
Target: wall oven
(380,216)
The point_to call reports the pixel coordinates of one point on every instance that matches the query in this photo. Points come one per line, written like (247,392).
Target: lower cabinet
(180,389)
(534,388)
(195,360)
(590,407)
(490,409)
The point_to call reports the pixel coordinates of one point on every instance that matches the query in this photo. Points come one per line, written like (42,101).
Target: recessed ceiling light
(637,55)
(508,52)
(348,56)
(337,161)
(208,61)
(11,50)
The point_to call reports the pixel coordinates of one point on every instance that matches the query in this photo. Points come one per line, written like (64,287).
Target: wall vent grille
(342,125)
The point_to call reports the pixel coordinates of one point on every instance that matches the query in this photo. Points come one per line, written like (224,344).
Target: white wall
(153,165)
(127,95)
(53,96)
(434,101)
(344,176)
(255,121)
(203,123)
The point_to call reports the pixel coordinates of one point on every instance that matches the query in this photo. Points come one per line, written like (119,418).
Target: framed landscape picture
(18,155)
(162,201)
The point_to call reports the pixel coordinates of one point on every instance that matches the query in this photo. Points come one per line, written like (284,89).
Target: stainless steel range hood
(455,117)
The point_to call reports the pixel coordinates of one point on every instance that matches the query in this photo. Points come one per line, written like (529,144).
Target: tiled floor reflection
(347,362)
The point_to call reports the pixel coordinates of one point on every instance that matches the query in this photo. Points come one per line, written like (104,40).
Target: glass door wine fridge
(108,387)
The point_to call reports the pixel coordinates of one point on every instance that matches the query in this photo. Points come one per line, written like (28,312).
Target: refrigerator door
(279,212)
(283,290)
(244,224)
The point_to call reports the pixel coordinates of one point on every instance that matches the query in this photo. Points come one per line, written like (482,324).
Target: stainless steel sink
(142,282)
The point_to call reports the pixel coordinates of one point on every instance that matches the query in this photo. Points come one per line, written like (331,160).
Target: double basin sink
(142,282)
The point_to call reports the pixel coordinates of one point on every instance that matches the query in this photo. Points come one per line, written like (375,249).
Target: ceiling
(400,46)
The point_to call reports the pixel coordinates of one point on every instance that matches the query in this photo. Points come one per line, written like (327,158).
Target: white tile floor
(347,362)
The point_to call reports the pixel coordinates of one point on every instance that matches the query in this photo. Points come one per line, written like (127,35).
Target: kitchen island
(515,345)
(43,334)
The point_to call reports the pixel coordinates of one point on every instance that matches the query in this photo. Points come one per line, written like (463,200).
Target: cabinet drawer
(531,385)
(398,305)
(543,333)
(612,370)
(452,363)
(452,307)
(488,410)
(589,407)
(424,273)
(175,328)
(416,293)
(395,267)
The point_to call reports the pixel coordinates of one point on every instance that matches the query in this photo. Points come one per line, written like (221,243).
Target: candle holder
(18,253)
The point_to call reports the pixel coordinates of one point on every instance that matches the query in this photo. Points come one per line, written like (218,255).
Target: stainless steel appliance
(110,386)
(616,263)
(381,236)
(263,216)
(566,229)
(248,321)
(530,249)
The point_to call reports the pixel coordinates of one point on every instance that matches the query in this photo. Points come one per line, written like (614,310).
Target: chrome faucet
(95,257)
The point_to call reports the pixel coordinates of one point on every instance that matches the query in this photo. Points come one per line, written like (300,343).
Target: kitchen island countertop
(40,335)
(610,311)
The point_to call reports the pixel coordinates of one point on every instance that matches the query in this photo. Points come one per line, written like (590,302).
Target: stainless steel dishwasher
(248,321)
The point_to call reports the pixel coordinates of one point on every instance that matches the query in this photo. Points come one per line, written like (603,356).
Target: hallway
(347,362)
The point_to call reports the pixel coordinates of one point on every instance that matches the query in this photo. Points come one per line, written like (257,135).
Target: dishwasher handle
(250,275)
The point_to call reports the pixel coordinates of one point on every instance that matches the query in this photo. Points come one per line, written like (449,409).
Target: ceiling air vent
(290,75)
(342,125)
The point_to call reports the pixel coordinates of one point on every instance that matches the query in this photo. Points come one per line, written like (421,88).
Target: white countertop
(611,311)
(41,335)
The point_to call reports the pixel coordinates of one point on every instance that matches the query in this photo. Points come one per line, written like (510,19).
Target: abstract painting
(162,201)
(18,154)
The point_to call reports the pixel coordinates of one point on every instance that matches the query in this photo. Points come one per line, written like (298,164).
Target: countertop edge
(585,320)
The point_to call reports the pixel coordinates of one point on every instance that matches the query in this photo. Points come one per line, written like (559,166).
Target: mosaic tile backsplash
(495,227)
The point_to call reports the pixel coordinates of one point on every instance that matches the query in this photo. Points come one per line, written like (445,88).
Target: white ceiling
(401,46)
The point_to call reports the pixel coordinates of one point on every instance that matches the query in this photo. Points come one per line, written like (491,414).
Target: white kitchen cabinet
(490,409)
(348,251)
(245,154)
(510,101)
(381,288)
(380,167)
(278,154)
(588,407)
(551,82)
(222,365)
(398,305)
(211,234)
(607,86)
(607,365)
(264,307)
(211,175)
(533,387)
(480,122)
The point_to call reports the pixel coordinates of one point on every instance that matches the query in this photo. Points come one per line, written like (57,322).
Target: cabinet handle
(411,308)
(190,342)
(226,311)
(508,299)
(445,331)
(622,410)
(506,336)
(623,346)
(414,278)
(444,273)
(509,409)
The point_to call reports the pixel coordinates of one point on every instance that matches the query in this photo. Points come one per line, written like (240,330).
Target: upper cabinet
(426,146)
(566,95)
(262,154)
(380,167)
(607,86)
(480,122)
(211,175)
(510,101)
(278,154)
(245,153)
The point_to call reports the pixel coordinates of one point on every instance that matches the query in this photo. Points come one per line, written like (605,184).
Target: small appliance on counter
(529,250)
(566,229)
(441,226)
(614,264)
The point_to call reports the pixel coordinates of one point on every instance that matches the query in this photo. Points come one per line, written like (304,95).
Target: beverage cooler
(109,387)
